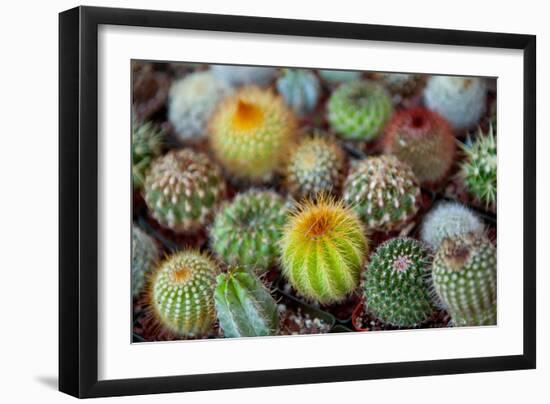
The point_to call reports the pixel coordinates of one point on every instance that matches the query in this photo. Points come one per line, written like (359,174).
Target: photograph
(273,201)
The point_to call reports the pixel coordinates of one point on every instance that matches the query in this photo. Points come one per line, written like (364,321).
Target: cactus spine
(465,279)
(146,146)
(323,248)
(145,254)
(245,307)
(397,290)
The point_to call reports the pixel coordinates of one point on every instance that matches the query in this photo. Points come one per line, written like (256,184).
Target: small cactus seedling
(465,279)
(145,254)
(358,110)
(182,190)
(448,219)
(244,75)
(316,165)
(300,89)
(245,307)
(335,77)
(460,100)
(147,144)
(397,289)
(251,132)
(323,249)
(424,140)
(383,191)
(182,293)
(479,168)
(246,231)
(191,102)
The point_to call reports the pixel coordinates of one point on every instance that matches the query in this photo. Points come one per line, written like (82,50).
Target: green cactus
(358,110)
(147,143)
(465,279)
(245,307)
(245,232)
(397,289)
(145,254)
(383,191)
(323,248)
(335,77)
(478,170)
(182,293)
(182,190)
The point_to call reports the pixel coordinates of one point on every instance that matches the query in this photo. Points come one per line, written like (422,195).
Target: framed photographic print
(251,201)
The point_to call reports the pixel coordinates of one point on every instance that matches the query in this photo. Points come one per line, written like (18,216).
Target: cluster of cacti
(339,76)
(460,100)
(422,139)
(145,254)
(243,75)
(244,306)
(251,131)
(397,288)
(323,248)
(300,89)
(383,191)
(478,170)
(191,102)
(401,85)
(246,231)
(449,219)
(358,110)
(314,166)
(182,190)
(181,293)
(147,142)
(465,279)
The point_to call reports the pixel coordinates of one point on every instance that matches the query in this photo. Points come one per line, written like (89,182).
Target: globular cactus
(147,142)
(397,288)
(314,166)
(478,170)
(192,101)
(251,132)
(182,293)
(300,89)
(448,219)
(383,191)
(465,279)
(358,110)
(244,75)
(339,76)
(460,100)
(424,140)
(244,306)
(145,254)
(400,85)
(182,190)
(246,231)
(323,249)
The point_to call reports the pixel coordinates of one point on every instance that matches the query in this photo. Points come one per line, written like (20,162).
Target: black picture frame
(78,201)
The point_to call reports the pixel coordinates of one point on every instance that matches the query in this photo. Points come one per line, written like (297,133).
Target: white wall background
(28,199)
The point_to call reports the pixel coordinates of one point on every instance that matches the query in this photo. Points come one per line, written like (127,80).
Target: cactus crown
(147,144)
(323,248)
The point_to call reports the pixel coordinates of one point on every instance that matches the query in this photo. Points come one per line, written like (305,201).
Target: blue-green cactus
(300,89)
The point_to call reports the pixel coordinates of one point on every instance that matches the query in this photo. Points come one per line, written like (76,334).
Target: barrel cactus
(339,76)
(145,254)
(191,102)
(465,279)
(448,219)
(182,190)
(245,232)
(244,306)
(182,293)
(314,166)
(323,249)
(397,287)
(424,140)
(244,75)
(300,89)
(147,141)
(358,110)
(478,170)
(383,191)
(460,100)
(251,132)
